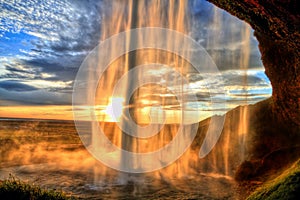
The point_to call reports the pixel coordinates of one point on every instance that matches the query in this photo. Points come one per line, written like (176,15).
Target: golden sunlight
(114,109)
(57,112)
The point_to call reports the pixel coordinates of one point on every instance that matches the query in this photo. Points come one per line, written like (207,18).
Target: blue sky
(43,43)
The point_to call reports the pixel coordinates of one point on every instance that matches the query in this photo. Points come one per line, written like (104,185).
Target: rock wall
(276,24)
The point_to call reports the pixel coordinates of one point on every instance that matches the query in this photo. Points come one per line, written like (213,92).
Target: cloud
(207,91)
(62,69)
(63,32)
(47,20)
(16,86)
(223,36)
(35,83)
(36,97)
(44,42)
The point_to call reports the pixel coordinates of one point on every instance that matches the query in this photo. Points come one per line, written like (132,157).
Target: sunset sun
(114,109)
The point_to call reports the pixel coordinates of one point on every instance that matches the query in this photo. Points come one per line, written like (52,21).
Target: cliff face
(277,25)
(274,125)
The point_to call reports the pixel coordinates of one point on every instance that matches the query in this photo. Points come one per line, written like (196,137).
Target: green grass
(286,186)
(14,189)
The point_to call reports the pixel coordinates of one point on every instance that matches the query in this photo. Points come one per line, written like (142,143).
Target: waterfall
(147,105)
(143,101)
(231,149)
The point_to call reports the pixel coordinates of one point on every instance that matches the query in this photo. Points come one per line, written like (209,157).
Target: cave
(274,123)
(276,27)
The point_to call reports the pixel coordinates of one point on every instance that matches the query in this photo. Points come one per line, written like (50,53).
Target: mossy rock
(286,186)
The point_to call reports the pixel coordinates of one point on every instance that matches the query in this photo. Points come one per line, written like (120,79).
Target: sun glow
(114,109)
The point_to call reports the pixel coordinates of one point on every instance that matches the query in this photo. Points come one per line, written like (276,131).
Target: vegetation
(286,186)
(14,189)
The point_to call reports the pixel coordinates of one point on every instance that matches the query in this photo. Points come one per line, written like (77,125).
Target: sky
(43,44)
